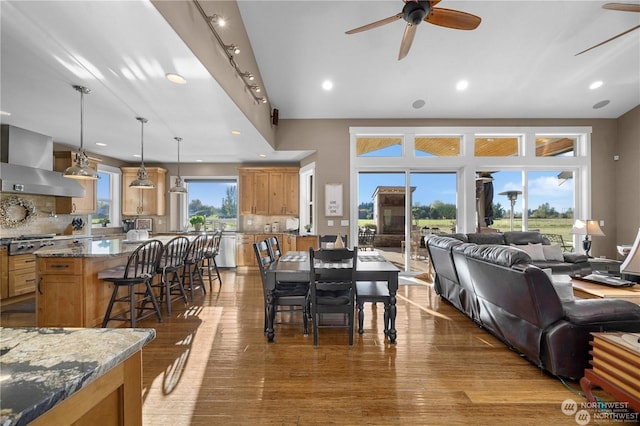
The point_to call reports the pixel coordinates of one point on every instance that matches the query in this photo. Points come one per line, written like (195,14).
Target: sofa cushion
(533,250)
(500,255)
(553,252)
(522,237)
(601,311)
(490,238)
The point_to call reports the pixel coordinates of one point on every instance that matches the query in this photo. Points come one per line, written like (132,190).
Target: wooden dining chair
(333,287)
(289,296)
(331,240)
(140,269)
(373,292)
(274,248)
(192,272)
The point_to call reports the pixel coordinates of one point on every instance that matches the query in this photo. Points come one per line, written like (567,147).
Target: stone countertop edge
(43,366)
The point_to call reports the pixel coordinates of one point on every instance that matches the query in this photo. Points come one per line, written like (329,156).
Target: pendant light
(81,169)
(143,181)
(178,188)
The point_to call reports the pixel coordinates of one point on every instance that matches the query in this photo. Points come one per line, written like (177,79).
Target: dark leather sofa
(499,288)
(571,263)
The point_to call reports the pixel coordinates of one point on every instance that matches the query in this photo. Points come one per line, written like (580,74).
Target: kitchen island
(59,376)
(69,293)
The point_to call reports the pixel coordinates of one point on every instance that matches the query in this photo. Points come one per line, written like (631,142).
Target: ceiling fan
(623,7)
(415,11)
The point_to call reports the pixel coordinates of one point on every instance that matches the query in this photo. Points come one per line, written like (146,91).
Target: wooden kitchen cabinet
(71,205)
(137,201)
(4,272)
(254,192)
(283,192)
(22,274)
(269,190)
(245,255)
(304,242)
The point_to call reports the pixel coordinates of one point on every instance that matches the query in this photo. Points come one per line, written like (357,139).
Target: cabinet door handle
(39,288)
(30,260)
(59,266)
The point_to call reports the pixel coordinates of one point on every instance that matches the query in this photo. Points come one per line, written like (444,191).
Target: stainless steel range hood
(26,165)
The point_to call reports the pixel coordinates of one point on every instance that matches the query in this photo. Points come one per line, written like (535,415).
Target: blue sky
(210,195)
(543,188)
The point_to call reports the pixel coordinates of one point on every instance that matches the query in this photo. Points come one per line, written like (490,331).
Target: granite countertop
(101,248)
(43,366)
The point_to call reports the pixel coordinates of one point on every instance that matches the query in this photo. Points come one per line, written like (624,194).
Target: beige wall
(331,140)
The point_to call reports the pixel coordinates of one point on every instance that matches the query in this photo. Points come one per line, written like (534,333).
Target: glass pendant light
(143,181)
(81,169)
(178,188)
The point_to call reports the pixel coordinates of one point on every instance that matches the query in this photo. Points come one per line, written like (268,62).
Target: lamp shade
(587,227)
(631,265)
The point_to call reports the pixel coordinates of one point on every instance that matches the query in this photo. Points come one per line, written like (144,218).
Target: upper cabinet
(137,201)
(69,205)
(269,190)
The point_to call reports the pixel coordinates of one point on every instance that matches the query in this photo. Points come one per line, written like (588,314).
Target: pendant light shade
(143,181)
(81,169)
(178,188)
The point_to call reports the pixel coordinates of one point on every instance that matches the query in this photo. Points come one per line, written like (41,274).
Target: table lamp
(631,265)
(586,228)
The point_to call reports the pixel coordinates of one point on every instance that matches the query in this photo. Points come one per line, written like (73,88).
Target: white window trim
(115,213)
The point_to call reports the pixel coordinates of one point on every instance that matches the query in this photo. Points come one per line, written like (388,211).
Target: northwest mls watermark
(600,412)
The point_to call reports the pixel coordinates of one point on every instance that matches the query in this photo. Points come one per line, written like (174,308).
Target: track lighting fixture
(230,50)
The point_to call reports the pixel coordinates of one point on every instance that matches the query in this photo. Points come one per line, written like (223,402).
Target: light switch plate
(330,223)
(344,222)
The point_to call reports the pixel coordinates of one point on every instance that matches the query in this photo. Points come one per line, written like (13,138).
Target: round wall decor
(16,211)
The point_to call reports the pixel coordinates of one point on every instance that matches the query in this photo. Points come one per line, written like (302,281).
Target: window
(216,200)
(108,196)
(496,146)
(437,146)
(379,146)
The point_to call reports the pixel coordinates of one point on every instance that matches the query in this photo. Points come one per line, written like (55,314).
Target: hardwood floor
(211,364)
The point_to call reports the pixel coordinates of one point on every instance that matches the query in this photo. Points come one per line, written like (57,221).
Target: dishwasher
(227,255)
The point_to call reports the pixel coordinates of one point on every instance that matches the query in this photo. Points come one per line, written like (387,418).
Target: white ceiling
(520,63)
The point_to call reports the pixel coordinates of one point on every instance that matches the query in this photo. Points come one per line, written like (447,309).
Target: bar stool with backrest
(140,269)
(292,295)
(170,267)
(333,287)
(192,263)
(212,249)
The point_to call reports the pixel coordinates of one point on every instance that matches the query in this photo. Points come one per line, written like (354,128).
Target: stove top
(34,237)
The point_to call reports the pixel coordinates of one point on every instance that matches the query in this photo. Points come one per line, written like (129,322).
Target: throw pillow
(553,252)
(533,250)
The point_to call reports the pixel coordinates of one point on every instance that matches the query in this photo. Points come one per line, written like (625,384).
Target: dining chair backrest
(328,241)
(274,247)
(333,269)
(143,261)
(215,245)
(263,257)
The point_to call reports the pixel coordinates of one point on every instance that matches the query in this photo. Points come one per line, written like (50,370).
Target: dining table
(294,266)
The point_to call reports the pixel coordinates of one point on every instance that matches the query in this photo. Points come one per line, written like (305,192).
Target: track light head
(233,49)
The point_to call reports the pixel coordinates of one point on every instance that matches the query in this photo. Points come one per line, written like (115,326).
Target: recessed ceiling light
(327,85)
(262,155)
(601,104)
(595,85)
(462,85)
(101,144)
(418,103)
(175,78)
(198,161)
(235,132)
(5,113)
(136,155)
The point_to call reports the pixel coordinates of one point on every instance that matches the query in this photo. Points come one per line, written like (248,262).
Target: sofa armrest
(601,311)
(575,257)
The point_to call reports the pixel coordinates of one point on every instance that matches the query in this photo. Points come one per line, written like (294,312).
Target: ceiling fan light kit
(414,12)
(230,50)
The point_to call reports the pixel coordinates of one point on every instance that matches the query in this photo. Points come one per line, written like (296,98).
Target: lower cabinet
(21,274)
(245,256)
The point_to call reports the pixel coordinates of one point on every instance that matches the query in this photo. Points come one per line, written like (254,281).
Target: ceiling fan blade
(453,19)
(608,40)
(624,7)
(407,40)
(375,24)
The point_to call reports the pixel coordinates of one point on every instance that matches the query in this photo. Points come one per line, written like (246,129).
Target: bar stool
(373,292)
(212,249)
(171,262)
(192,263)
(140,269)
